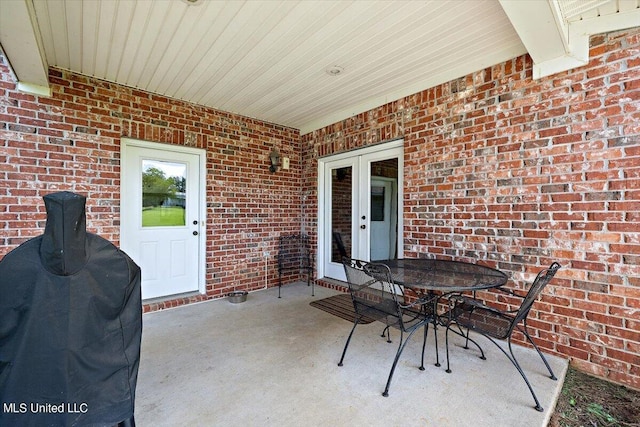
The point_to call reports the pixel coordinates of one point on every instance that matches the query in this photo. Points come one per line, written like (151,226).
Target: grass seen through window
(158,216)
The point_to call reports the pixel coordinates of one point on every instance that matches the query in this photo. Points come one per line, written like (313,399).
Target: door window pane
(383,209)
(341,211)
(164,189)
(377,203)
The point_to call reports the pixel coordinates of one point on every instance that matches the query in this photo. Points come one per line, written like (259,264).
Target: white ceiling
(268,59)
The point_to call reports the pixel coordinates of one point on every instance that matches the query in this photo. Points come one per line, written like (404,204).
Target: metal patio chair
(472,314)
(294,254)
(375,295)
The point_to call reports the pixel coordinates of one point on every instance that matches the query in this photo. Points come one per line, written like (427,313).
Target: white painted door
(161,217)
(345,186)
(339,216)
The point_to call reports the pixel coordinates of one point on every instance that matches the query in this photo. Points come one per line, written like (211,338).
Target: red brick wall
(509,171)
(71,141)
(517,173)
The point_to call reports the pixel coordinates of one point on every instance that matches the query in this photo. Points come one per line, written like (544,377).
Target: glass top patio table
(422,274)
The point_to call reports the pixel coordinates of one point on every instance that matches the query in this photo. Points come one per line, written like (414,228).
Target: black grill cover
(70,326)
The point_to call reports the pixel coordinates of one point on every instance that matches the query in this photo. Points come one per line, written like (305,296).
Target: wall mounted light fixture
(274,156)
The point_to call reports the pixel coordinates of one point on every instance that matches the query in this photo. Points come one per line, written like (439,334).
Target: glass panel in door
(164,191)
(341,213)
(383,210)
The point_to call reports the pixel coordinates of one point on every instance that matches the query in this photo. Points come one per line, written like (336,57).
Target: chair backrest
(382,274)
(392,293)
(294,250)
(368,291)
(542,279)
(357,279)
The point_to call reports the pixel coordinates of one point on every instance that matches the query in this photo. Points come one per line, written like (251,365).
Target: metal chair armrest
(418,302)
(510,292)
(463,303)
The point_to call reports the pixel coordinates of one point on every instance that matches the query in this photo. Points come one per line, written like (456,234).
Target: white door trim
(322,193)
(202,211)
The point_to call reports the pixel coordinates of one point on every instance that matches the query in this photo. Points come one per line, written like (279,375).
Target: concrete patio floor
(273,362)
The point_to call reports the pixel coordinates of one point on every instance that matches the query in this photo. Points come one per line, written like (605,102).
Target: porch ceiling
(303,64)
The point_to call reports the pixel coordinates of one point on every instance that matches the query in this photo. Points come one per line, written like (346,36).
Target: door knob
(195,233)
(363,226)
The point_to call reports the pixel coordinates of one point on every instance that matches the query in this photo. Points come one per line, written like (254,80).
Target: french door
(161,216)
(360,209)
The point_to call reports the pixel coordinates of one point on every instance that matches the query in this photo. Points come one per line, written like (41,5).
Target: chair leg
(511,357)
(387,331)
(446,345)
(544,359)
(515,363)
(279,282)
(424,345)
(435,334)
(313,283)
(468,340)
(310,281)
(466,345)
(401,347)
(344,351)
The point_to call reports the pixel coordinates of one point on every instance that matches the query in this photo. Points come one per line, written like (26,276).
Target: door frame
(202,211)
(389,149)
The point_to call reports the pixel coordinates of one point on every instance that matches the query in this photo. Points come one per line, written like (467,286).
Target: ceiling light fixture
(193,2)
(334,70)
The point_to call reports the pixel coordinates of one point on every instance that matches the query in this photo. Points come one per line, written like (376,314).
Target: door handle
(195,233)
(363,226)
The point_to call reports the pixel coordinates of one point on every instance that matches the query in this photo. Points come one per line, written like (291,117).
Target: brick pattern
(516,173)
(71,141)
(498,167)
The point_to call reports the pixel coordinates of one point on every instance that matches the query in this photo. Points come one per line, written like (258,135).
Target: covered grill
(70,326)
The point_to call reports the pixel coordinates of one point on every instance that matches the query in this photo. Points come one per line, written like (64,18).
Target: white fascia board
(538,27)
(20,40)
(34,89)
(604,24)
(579,34)
(566,46)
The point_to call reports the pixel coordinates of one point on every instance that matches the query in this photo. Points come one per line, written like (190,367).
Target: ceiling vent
(572,9)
